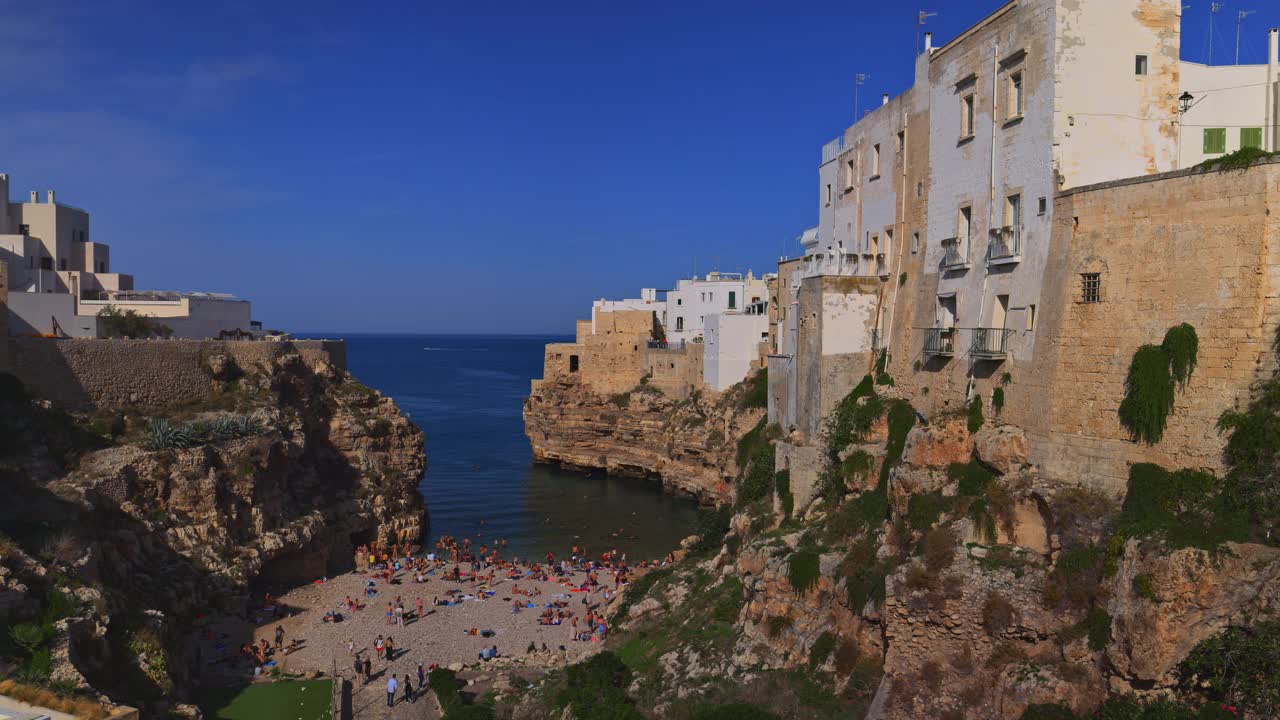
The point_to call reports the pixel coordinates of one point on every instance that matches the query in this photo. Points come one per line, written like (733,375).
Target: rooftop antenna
(921,17)
(1214,7)
(857,83)
(1240,16)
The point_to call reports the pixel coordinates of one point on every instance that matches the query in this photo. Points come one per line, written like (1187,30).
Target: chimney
(35,197)
(51,197)
(884,99)
(1273,46)
(928,42)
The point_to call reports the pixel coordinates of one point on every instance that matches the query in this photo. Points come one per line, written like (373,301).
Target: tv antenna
(921,18)
(1214,7)
(858,80)
(1240,16)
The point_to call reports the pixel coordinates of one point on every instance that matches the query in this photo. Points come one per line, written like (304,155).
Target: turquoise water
(467,393)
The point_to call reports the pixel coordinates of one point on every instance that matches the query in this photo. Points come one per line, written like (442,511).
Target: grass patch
(757,391)
(293,699)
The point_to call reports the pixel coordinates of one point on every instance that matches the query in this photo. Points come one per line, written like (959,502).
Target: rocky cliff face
(148,538)
(690,445)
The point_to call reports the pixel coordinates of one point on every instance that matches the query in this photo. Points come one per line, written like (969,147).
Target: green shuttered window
(1215,140)
(1251,138)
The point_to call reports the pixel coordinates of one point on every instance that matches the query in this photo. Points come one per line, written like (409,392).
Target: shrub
(1048,712)
(973,477)
(975,414)
(939,548)
(622,400)
(447,687)
(852,417)
(1253,441)
(782,486)
(997,614)
(732,711)
(117,323)
(1143,585)
(822,649)
(1239,667)
(777,624)
(596,690)
(802,570)
(997,400)
(1153,375)
(713,525)
(924,509)
(1183,508)
(1181,345)
(1074,580)
(757,393)
(1097,626)
(27,636)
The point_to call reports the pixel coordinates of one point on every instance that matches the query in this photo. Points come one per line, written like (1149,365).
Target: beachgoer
(418,603)
(422,677)
(279,636)
(391,649)
(408,689)
(379,645)
(351,647)
(358,666)
(391,691)
(368,669)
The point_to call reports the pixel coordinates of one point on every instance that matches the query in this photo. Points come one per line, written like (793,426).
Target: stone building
(1229,107)
(607,353)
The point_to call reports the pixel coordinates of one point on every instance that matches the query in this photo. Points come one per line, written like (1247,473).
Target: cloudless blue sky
(450,166)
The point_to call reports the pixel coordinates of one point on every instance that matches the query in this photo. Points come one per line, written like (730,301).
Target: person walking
(422,677)
(418,616)
(359,668)
(391,649)
(368,669)
(379,644)
(408,689)
(279,637)
(391,691)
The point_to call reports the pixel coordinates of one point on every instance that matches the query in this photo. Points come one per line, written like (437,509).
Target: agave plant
(163,435)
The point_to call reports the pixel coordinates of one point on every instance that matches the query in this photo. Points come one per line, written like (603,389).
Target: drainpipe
(1273,92)
(901,225)
(991,204)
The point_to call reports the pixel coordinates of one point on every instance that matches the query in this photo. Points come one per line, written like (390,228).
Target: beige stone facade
(609,360)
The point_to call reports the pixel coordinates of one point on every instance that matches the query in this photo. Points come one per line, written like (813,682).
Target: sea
(467,393)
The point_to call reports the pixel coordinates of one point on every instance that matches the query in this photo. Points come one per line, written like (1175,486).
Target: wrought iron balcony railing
(952,256)
(940,341)
(990,343)
(1005,245)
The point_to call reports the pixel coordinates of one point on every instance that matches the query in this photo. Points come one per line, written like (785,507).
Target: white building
(60,279)
(733,345)
(648,300)
(693,301)
(1229,107)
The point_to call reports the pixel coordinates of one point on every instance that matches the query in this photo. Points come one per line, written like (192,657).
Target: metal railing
(832,150)
(664,345)
(951,256)
(940,341)
(990,343)
(1005,244)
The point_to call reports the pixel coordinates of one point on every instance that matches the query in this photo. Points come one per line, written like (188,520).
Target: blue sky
(452,167)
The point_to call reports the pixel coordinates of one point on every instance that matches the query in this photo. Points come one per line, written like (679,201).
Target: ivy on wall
(1155,373)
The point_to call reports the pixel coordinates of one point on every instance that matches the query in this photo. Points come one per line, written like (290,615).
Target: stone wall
(102,374)
(837,316)
(608,361)
(1193,247)
(676,370)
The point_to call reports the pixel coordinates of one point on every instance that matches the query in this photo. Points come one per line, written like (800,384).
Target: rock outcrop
(155,536)
(690,445)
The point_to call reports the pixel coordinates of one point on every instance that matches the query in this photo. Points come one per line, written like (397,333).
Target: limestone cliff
(691,444)
(150,521)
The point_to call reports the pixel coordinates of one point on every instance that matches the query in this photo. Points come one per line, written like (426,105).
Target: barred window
(1090,287)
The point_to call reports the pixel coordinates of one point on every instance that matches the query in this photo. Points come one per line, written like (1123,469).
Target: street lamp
(1185,103)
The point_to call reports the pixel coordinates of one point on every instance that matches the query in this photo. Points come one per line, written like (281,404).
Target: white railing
(832,150)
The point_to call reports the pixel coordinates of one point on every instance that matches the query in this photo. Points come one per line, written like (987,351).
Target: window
(1042,206)
(62,263)
(679,324)
(1215,140)
(733,299)
(966,117)
(1013,211)
(1140,65)
(24,229)
(1090,288)
(902,142)
(1015,94)
(965,226)
(915,242)
(679,301)
(875,160)
(573,363)
(848,173)
(888,242)
(704,297)
(1031,317)
(828,194)
(1250,138)
(946,311)
(919,189)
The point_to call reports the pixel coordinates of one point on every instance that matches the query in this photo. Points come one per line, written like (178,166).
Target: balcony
(990,343)
(1005,246)
(832,150)
(953,255)
(940,342)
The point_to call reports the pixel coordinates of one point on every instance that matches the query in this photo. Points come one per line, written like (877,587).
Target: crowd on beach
(460,571)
